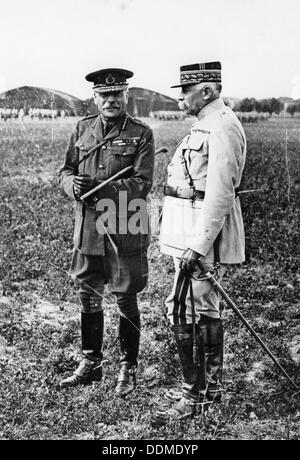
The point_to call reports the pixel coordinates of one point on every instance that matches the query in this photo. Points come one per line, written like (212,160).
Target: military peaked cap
(198,73)
(106,80)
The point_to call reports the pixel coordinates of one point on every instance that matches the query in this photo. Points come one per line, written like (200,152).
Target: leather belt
(188,193)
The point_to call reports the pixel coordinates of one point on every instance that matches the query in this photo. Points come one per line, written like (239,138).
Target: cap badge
(110,79)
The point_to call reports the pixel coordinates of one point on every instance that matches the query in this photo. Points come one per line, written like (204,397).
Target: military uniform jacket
(214,152)
(130,142)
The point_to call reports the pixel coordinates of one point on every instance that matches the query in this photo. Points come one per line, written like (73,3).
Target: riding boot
(129,333)
(213,338)
(194,377)
(90,367)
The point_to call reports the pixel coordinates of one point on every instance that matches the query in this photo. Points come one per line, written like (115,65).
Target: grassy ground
(39,308)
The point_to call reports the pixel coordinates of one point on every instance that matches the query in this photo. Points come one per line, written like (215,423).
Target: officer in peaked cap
(202,219)
(101,146)
(107,80)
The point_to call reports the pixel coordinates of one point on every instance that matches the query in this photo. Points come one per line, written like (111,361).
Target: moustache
(182,105)
(113,106)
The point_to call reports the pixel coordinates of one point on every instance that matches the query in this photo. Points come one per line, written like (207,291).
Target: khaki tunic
(215,153)
(130,142)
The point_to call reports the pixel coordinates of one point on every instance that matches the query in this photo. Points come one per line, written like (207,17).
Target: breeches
(125,275)
(206,299)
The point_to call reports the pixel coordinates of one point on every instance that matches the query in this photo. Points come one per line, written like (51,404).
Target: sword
(231,304)
(195,346)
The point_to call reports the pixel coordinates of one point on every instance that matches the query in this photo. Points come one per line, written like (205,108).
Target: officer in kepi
(105,250)
(202,219)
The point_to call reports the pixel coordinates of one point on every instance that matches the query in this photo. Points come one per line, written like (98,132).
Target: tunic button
(104,147)
(124,153)
(101,166)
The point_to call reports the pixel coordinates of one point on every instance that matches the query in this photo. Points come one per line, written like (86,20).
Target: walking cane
(231,304)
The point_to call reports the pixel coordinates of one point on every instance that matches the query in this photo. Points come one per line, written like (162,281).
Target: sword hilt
(202,266)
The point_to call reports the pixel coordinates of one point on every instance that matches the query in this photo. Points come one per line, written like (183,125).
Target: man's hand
(83,183)
(188,261)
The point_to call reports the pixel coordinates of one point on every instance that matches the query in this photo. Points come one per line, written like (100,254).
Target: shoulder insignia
(89,117)
(138,122)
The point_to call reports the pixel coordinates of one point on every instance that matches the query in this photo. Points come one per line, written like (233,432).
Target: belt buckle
(186,193)
(199,194)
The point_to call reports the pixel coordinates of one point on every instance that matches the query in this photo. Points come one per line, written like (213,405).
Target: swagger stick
(103,184)
(119,173)
(223,294)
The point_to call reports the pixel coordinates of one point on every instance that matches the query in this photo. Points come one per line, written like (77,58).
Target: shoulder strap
(187,175)
(185,170)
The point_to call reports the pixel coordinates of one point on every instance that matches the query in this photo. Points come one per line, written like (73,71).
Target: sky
(54,44)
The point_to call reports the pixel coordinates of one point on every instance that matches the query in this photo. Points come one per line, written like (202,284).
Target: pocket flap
(124,150)
(196,141)
(85,143)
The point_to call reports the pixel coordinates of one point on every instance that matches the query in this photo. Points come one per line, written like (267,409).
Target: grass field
(39,308)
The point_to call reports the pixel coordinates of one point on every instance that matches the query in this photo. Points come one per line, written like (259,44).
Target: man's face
(111,104)
(193,98)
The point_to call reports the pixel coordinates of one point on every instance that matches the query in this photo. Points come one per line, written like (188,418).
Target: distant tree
(258,106)
(253,103)
(291,109)
(245,105)
(263,105)
(274,106)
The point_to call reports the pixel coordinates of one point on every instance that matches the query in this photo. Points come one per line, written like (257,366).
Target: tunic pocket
(85,143)
(121,157)
(197,155)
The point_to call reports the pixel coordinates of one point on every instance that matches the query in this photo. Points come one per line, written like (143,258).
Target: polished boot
(90,367)
(192,398)
(213,338)
(129,333)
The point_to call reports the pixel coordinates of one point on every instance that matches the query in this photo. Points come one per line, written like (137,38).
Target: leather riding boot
(88,371)
(90,367)
(213,338)
(126,379)
(92,325)
(193,389)
(194,376)
(129,333)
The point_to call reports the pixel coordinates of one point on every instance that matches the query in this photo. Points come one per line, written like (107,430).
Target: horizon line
(139,87)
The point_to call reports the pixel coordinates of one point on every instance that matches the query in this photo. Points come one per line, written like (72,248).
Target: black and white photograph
(149,223)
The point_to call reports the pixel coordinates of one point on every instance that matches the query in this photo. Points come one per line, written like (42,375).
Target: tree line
(272,105)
